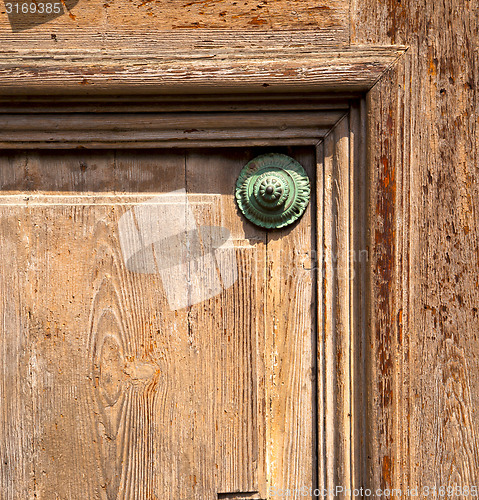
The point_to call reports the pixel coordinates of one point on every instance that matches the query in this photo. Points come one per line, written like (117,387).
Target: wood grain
(233,322)
(212,103)
(330,16)
(384,319)
(102,130)
(291,336)
(424,243)
(212,61)
(17,367)
(337,308)
(456,451)
(112,394)
(127,380)
(359,261)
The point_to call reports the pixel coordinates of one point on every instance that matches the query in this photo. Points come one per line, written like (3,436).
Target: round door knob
(272,191)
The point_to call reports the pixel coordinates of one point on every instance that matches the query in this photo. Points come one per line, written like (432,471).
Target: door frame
(283,88)
(191,62)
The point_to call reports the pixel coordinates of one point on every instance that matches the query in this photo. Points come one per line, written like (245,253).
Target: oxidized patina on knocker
(273,190)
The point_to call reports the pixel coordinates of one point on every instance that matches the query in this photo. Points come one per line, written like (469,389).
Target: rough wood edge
(387,450)
(211,62)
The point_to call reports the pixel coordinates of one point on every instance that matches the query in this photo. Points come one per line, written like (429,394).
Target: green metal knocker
(273,191)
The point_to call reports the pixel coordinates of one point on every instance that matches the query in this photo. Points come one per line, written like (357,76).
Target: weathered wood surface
(291,334)
(100,130)
(212,103)
(423,364)
(331,16)
(424,369)
(233,325)
(109,393)
(211,61)
(341,263)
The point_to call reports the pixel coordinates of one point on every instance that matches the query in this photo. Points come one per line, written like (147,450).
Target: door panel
(181,371)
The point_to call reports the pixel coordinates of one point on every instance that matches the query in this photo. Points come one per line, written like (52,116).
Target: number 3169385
(34,8)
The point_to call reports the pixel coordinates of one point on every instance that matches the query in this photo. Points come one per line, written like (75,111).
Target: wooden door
(137,370)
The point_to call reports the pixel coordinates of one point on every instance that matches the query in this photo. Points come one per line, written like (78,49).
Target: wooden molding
(342,264)
(179,103)
(147,130)
(341,259)
(201,62)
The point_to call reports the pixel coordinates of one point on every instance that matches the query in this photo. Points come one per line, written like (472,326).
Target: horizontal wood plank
(211,103)
(207,62)
(162,122)
(329,17)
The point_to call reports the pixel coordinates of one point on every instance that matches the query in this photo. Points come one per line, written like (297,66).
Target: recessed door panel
(155,344)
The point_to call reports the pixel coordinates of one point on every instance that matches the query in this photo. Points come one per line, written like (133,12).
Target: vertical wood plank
(291,333)
(328,335)
(383,371)
(341,313)
(318,263)
(359,259)
(424,240)
(17,362)
(337,315)
(232,322)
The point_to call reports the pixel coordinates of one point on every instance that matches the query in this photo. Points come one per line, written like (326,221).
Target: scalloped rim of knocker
(297,201)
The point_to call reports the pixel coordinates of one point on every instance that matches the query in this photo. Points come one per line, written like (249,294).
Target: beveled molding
(167,129)
(181,62)
(280,90)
